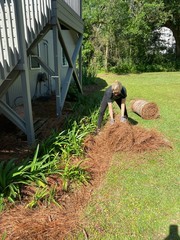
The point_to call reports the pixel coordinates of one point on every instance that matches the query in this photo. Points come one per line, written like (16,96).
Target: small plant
(1,202)
(4,236)
(43,195)
(38,197)
(51,197)
(74,173)
(46,146)
(11,178)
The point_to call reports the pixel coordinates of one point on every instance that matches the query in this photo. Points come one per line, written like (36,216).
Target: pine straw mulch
(54,223)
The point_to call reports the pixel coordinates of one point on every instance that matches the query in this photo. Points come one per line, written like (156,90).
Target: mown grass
(139,198)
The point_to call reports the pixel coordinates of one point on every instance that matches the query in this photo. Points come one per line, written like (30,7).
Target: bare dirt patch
(56,223)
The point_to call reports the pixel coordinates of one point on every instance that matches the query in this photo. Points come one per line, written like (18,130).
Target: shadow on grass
(132,121)
(88,102)
(173,233)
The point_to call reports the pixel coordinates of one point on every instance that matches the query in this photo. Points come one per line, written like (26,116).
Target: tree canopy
(121,33)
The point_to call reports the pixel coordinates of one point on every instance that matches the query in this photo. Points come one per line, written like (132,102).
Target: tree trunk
(176,34)
(106,56)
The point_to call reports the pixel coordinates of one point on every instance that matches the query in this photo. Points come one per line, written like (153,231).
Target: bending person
(116,93)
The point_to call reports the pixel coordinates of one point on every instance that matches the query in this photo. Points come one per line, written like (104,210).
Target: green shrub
(13,175)
(126,66)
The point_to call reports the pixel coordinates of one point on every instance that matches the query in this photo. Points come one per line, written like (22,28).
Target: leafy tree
(156,14)
(103,23)
(173,21)
(122,32)
(146,16)
(149,15)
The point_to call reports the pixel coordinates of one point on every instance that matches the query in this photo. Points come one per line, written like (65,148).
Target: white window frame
(37,65)
(64,60)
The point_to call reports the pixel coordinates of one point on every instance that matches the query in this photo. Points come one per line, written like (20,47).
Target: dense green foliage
(120,35)
(14,175)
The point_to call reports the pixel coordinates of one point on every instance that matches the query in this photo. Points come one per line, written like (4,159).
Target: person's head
(116,88)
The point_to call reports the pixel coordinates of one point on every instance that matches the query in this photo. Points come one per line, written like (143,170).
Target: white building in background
(166,38)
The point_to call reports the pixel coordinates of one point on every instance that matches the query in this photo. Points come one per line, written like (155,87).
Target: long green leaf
(33,165)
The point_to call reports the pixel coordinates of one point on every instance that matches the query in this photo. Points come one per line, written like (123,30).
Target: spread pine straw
(147,110)
(56,223)
(123,137)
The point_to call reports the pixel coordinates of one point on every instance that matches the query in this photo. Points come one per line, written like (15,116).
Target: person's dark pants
(102,110)
(103,107)
(118,101)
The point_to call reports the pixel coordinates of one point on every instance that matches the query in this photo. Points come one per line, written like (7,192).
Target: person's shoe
(97,131)
(123,119)
(112,121)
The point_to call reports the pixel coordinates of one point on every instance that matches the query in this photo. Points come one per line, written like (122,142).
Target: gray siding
(15,91)
(56,28)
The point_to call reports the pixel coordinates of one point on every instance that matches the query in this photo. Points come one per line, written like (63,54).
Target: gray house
(40,41)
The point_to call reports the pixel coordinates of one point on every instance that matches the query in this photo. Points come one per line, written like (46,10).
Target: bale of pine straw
(147,110)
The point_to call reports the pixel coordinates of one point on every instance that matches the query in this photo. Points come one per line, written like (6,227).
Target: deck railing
(8,38)
(33,17)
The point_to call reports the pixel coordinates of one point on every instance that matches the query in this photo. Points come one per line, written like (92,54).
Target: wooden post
(23,66)
(80,66)
(56,60)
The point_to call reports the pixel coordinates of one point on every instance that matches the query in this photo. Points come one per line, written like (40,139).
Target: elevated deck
(36,18)
(23,24)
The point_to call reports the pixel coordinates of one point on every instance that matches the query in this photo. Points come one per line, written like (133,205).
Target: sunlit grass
(139,198)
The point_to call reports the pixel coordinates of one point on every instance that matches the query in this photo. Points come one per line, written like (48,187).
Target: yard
(139,196)
(134,190)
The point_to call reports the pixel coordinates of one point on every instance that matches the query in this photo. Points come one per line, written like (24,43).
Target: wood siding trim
(76,5)
(68,17)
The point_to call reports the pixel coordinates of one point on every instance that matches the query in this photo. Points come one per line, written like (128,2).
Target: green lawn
(139,198)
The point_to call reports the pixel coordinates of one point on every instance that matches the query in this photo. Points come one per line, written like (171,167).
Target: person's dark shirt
(111,97)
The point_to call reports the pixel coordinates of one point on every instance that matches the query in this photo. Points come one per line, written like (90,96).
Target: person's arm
(123,104)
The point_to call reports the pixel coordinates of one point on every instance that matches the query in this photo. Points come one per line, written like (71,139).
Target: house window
(33,63)
(64,60)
